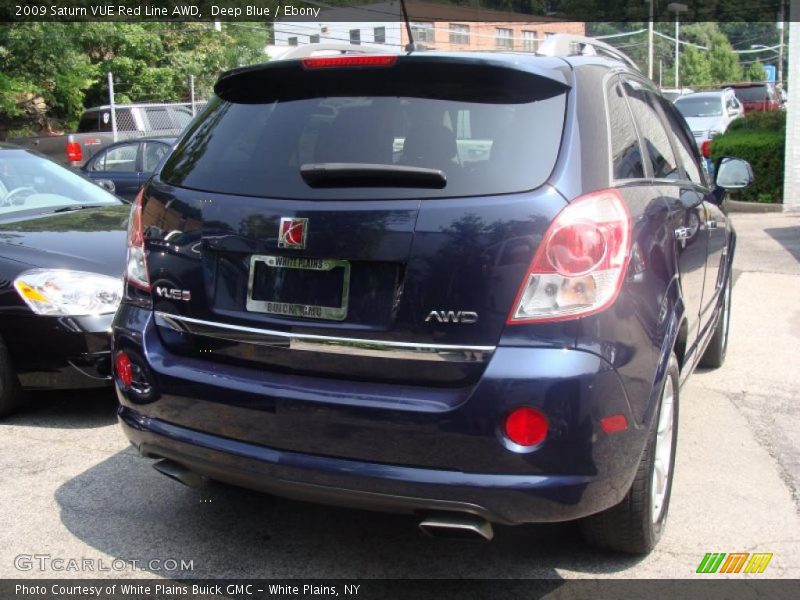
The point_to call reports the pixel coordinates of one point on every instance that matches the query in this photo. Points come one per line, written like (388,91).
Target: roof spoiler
(565,44)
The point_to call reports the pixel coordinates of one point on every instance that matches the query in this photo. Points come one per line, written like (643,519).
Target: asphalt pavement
(72,488)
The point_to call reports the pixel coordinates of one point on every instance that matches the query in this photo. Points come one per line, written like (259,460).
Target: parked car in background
(673,94)
(128,164)
(708,114)
(356,280)
(62,252)
(95,131)
(762,97)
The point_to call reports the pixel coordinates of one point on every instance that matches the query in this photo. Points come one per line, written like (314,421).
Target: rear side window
(626,151)
(484,146)
(159,119)
(687,150)
(654,135)
(89,123)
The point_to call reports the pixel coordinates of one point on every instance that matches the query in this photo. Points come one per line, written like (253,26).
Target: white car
(708,114)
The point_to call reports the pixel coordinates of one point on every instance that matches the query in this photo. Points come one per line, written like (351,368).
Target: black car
(463,286)
(62,252)
(128,164)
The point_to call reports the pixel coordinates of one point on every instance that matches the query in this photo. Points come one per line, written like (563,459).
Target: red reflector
(705,149)
(350,60)
(614,423)
(122,365)
(526,426)
(74,151)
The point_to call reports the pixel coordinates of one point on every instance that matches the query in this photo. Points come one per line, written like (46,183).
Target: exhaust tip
(457,526)
(180,473)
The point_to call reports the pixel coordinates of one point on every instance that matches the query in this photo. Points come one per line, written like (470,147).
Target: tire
(635,525)
(10,391)
(714,355)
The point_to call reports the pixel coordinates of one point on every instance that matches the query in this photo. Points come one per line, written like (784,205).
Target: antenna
(411,46)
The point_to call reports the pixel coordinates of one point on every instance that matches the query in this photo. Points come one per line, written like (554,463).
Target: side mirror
(107,185)
(733,173)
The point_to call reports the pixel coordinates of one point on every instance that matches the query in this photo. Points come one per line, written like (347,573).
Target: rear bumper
(507,499)
(361,444)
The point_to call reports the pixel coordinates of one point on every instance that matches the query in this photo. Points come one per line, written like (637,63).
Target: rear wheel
(714,355)
(635,525)
(10,392)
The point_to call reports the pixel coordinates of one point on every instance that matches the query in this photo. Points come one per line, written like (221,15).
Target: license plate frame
(292,309)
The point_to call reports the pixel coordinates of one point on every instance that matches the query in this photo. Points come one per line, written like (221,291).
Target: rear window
(754,93)
(483,147)
(700,107)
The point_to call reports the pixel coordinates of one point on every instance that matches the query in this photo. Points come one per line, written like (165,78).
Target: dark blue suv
(464,286)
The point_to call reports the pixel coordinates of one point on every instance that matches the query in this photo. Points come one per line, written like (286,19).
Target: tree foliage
(50,71)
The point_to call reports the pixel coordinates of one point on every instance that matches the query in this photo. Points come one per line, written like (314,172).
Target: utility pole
(677,8)
(113,106)
(791,182)
(781,21)
(650,41)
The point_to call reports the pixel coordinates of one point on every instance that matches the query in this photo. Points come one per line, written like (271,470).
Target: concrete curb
(752,207)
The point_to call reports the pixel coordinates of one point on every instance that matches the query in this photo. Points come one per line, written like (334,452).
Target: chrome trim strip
(324,343)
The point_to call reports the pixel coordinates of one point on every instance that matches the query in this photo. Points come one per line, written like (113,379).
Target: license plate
(311,288)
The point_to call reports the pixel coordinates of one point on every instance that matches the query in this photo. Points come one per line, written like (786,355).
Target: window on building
(459,34)
(313,39)
(355,36)
(292,41)
(380,35)
(423,32)
(528,41)
(504,38)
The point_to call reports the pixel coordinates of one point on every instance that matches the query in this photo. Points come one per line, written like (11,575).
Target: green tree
(724,63)
(50,71)
(695,67)
(755,72)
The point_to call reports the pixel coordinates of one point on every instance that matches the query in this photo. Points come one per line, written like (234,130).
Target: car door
(120,164)
(687,210)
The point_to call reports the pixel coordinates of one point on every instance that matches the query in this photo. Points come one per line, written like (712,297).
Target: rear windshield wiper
(326,175)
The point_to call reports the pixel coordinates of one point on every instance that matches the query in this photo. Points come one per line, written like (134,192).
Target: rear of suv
(464,286)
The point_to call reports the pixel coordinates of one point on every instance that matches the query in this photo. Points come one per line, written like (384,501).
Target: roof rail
(307,50)
(565,44)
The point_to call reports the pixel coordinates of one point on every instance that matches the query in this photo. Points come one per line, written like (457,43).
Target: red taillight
(614,423)
(123,368)
(580,263)
(705,148)
(74,152)
(136,266)
(526,426)
(350,60)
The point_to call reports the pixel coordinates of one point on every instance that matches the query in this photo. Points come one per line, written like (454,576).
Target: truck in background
(95,130)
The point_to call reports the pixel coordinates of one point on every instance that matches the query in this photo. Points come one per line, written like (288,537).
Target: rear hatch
(371,222)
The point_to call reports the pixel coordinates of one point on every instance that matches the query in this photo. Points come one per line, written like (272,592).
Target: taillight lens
(74,152)
(124,369)
(136,266)
(350,60)
(705,148)
(580,263)
(526,426)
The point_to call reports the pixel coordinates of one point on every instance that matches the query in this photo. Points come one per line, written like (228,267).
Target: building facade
(435,26)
